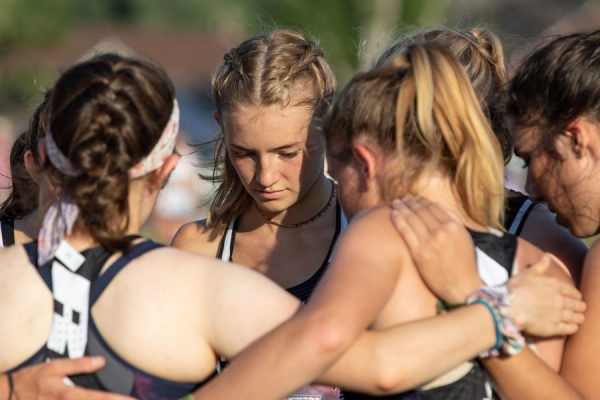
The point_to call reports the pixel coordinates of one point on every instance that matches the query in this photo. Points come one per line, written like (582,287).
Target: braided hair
(263,70)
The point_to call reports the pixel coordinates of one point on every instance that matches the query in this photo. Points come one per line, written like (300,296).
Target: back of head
(421,110)
(23,198)
(480,52)
(556,84)
(281,67)
(107,114)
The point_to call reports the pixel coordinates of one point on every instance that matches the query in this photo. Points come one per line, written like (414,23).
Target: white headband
(163,148)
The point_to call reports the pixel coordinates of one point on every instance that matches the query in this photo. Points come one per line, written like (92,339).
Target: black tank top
(303,290)
(62,275)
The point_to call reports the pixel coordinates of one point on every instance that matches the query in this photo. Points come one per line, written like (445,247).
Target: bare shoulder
(12,257)
(528,253)
(373,231)
(542,230)
(197,237)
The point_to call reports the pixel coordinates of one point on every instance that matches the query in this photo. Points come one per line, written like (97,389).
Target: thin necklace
(308,221)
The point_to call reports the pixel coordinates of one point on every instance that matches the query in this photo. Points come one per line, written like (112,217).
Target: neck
(310,205)
(27,228)
(439,189)
(141,203)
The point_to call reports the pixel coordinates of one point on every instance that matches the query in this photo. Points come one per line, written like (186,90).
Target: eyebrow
(279,148)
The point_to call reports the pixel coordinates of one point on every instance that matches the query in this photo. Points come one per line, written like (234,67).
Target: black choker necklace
(308,221)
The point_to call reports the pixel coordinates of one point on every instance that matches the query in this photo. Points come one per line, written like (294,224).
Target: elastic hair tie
(489,307)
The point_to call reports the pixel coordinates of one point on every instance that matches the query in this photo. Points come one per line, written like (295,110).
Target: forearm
(284,360)
(408,355)
(526,376)
(4,386)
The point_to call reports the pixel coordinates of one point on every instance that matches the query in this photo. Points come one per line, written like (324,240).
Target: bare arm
(526,376)
(581,361)
(548,349)
(360,279)
(408,355)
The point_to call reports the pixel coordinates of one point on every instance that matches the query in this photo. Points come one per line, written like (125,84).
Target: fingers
(565,329)
(411,225)
(571,292)
(84,365)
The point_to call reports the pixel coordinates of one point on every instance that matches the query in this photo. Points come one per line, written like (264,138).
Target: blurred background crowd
(39,38)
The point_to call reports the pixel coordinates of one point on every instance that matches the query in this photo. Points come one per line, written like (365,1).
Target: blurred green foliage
(342,26)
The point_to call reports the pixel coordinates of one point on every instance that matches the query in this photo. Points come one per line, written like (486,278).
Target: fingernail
(396,202)
(96,360)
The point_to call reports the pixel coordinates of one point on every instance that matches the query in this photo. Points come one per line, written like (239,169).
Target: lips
(270,194)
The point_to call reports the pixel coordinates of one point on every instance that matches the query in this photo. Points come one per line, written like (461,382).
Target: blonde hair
(480,52)
(420,108)
(263,70)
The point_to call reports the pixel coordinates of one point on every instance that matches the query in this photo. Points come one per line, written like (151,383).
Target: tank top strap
(341,223)
(31,249)
(520,217)
(228,241)
(103,280)
(7,229)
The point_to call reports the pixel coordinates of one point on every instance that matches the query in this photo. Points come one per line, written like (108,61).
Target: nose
(266,172)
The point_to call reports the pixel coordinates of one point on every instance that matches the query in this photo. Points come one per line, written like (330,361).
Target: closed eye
(289,154)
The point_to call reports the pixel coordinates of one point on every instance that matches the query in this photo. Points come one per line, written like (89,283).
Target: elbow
(389,378)
(328,337)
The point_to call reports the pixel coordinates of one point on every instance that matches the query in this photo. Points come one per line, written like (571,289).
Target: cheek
(244,168)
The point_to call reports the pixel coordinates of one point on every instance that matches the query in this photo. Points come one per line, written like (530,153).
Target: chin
(582,228)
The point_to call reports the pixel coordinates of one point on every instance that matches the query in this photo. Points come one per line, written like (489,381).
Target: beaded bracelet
(497,300)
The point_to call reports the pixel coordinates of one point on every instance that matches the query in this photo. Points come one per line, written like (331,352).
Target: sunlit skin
(567,181)
(278,154)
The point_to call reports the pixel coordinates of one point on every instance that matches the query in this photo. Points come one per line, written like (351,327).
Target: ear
(31,166)
(217,118)
(579,135)
(161,175)
(366,159)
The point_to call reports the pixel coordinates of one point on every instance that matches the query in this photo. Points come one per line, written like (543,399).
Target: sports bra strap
(31,249)
(8,232)
(103,280)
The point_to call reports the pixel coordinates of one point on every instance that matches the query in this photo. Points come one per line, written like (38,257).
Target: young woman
(274,210)
(553,106)
(411,127)
(480,52)
(20,220)
(554,103)
(20,216)
(160,316)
